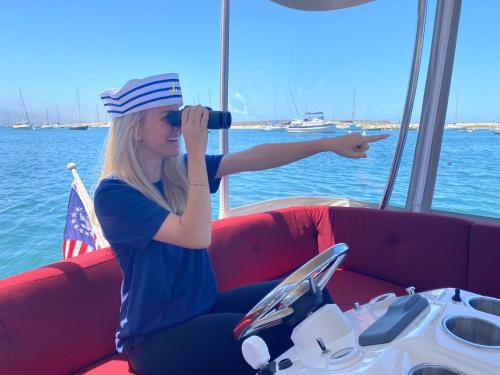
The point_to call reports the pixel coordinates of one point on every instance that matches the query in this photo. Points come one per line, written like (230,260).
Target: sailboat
(78,126)
(25,123)
(46,124)
(353,126)
(314,122)
(58,123)
(274,124)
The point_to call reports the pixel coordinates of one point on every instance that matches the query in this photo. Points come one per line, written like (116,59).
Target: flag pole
(88,205)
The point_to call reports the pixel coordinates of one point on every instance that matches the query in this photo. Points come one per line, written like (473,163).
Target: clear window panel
(468,179)
(348,67)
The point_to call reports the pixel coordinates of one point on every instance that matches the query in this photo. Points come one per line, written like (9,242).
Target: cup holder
(485,304)
(428,369)
(473,331)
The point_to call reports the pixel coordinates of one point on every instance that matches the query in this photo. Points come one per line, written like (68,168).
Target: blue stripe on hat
(141,95)
(146,102)
(139,87)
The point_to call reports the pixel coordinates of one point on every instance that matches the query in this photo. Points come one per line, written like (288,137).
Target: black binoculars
(216,119)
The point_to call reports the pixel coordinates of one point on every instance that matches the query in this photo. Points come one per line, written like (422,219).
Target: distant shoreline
(341,125)
(374,125)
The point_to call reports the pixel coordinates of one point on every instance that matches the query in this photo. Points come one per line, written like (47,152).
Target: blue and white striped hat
(140,94)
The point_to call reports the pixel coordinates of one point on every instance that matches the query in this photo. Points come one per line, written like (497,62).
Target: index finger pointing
(374,138)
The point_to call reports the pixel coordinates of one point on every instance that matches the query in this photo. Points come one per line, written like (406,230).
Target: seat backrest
(61,317)
(265,246)
(426,251)
(484,260)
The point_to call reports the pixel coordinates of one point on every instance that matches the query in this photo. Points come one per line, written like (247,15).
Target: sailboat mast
(97,112)
(456,109)
(57,109)
(353,103)
(295,105)
(47,115)
(24,106)
(78,103)
(274,106)
(209,99)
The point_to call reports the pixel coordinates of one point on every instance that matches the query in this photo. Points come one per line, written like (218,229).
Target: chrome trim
(435,103)
(274,316)
(224,78)
(476,328)
(410,99)
(434,369)
(488,305)
(328,274)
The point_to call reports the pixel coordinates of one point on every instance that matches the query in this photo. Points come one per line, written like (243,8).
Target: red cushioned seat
(114,365)
(427,251)
(61,317)
(263,246)
(484,260)
(347,287)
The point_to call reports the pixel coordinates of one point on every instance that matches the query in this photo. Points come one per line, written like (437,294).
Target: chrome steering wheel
(275,306)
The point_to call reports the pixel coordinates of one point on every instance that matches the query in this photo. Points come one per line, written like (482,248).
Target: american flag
(79,236)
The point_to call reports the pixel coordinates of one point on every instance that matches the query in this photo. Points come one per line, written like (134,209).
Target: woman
(154,208)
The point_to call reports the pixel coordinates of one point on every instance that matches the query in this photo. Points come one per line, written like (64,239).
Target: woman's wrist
(325,144)
(195,156)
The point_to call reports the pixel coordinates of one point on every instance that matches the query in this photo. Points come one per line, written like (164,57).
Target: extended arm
(273,155)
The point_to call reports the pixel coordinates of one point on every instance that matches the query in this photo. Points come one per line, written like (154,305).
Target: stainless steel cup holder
(473,331)
(429,369)
(485,304)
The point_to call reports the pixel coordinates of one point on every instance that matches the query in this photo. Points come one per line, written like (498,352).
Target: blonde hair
(121,159)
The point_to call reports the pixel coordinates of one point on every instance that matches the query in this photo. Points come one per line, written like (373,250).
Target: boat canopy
(320,5)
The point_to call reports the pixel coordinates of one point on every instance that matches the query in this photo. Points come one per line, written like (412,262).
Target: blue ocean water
(35,184)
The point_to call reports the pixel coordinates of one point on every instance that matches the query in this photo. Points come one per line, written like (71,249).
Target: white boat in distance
(314,122)
(22,125)
(25,124)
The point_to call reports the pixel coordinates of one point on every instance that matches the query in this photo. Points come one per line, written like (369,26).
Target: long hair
(121,159)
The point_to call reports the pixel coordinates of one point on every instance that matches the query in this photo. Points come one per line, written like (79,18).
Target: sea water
(35,184)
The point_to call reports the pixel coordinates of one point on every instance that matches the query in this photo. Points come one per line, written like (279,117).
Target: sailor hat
(140,94)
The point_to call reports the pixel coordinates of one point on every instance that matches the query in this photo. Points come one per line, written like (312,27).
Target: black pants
(205,344)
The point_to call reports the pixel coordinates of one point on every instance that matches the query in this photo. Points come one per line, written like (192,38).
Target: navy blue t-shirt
(163,284)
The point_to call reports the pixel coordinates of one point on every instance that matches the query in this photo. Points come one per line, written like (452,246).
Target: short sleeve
(126,216)
(213,162)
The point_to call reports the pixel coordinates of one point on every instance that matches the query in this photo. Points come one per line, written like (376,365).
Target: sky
(282,62)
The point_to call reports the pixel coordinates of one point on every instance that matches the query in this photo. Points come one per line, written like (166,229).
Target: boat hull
(312,129)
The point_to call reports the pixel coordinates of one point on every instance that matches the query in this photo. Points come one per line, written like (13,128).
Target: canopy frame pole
(410,99)
(224,78)
(434,106)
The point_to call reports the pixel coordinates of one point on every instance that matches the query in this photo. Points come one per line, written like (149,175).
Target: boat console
(444,331)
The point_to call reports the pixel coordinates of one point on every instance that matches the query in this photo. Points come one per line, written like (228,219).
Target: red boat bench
(60,319)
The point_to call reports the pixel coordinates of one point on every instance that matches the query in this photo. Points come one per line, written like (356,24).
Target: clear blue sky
(48,48)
